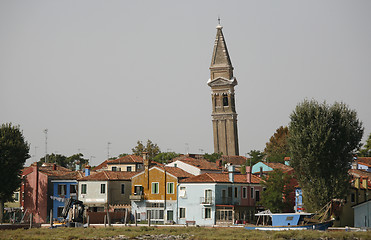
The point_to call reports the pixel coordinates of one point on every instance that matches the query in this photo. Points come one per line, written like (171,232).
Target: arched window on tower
(225,100)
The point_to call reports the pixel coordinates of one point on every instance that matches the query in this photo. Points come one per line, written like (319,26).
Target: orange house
(154,193)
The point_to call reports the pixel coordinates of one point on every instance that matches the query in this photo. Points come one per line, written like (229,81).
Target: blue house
(218,198)
(263,167)
(64,187)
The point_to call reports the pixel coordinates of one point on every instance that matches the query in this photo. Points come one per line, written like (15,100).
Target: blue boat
(289,221)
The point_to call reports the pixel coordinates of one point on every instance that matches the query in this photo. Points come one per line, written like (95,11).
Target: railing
(207,200)
(137,197)
(225,200)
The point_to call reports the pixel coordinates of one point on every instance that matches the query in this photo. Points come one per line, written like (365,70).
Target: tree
(59,159)
(164,157)
(213,157)
(151,148)
(13,154)
(256,156)
(322,140)
(277,148)
(366,150)
(67,162)
(276,197)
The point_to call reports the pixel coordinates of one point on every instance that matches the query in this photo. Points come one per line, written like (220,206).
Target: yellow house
(154,193)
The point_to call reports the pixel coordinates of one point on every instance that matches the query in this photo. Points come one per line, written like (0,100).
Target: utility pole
(46,145)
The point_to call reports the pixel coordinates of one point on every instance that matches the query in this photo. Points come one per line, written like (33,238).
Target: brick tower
(222,82)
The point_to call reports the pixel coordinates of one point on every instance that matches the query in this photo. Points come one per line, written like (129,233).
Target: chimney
(231,173)
(54,166)
(261,172)
(248,172)
(87,170)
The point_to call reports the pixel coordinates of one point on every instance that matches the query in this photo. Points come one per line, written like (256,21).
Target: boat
(293,221)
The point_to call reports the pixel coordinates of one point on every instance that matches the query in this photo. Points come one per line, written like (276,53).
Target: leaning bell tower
(222,83)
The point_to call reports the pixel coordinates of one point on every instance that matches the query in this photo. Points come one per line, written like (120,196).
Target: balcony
(225,201)
(207,200)
(137,197)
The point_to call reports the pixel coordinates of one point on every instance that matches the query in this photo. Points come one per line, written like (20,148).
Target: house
(105,191)
(64,187)
(359,193)
(218,198)
(154,192)
(265,167)
(36,189)
(195,166)
(362,163)
(362,215)
(128,163)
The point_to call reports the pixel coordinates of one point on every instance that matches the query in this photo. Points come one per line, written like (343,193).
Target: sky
(98,72)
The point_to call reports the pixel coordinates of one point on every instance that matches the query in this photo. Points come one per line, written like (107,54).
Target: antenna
(46,145)
(219,19)
(108,143)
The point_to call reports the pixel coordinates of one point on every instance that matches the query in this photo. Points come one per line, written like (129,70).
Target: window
(170,188)
(208,196)
(252,192)
(122,188)
(155,188)
(170,215)
(114,169)
(224,193)
(236,192)
(229,192)
(138,190)
(62,189)
(257,195)
(103,188)
(182,212)
(128,169)
(73,189)
(353,198)
(16,196)
(207,213)
(225,100)
(83,188)
(244,192)
(59,211)
(182,192)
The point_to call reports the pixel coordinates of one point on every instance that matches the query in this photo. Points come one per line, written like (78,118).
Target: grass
(185,232)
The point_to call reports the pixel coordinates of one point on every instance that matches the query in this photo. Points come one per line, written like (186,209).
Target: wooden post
(88,221)
(135,218)
(108,219)
(149,218)
(30,220)
(105,220)
(51,218)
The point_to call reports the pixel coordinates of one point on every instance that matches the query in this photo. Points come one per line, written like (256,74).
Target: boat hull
(313,226)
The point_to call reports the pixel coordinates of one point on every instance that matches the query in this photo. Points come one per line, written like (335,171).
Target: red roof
(235,160)
(177,172)
(202,164)
(364,161)
(281,166)
(50,169)
(109,176)
(127,159)
(220,178)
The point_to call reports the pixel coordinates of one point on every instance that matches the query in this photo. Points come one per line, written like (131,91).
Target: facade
(129,163)
(154,193)
(194,166)
(222,83)
(362,215)
(218,198)
(36,189)
(105,191)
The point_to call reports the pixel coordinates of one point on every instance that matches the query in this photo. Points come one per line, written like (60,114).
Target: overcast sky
(93,72)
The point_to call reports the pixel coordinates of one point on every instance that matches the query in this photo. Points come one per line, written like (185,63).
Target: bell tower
(222,83)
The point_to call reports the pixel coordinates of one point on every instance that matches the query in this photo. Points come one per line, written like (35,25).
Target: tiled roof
(360,173)
(108,176)
(49,169)
(177,172)
(75,175)
(127,159)
(364,161)
(235,160)
(102,165)
(220,178)
(199,163)
(281,166)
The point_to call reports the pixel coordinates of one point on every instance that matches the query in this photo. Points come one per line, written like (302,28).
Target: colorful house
(218,198)
(128,163)
(105,191)
(154,193)
(36,189)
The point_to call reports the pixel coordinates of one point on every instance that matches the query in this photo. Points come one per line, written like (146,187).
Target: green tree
(164,157)
(276,197)
(366,150)
(59,159)
(322,140)
(213,157)
(13,154)
(76,159)
(277,148)
(151,148)
(256,156)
